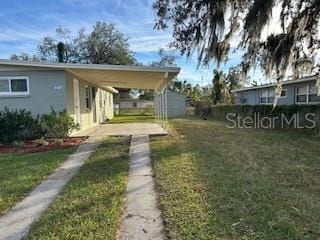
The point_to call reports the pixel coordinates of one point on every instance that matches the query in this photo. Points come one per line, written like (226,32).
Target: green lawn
(21,172)
(220,183)
(90,205)
(132,118)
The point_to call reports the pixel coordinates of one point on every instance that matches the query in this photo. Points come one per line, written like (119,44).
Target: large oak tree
(208,26)
(103,45)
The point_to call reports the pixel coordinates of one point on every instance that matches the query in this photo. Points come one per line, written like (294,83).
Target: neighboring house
(135,103)
(134,106)
(83,90)
(176,104)
(298,91)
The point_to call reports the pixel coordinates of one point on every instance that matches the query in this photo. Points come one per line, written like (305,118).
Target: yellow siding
(103,103)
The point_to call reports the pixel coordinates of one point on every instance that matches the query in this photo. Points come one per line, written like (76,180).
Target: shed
(176,104)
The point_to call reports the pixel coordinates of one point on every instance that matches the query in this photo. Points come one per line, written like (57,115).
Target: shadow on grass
(215,182)
(90,205)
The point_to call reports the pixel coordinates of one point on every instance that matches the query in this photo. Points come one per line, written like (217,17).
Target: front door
(94,105)
(77,114)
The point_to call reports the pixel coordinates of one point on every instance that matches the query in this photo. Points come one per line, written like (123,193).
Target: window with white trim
(14,86)
(307,94)
(266,96)
(313,94)
(88,102)
(302,94)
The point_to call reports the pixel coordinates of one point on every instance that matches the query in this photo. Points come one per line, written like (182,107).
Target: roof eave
(305,79)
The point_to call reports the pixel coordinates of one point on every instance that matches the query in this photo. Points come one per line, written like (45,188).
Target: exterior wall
(253,95)
(47,89)
(139,104)
(290,99)
(176,104)
(104,107)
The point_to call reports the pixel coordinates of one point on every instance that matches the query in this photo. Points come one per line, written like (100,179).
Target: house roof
(286,82)
(108,76)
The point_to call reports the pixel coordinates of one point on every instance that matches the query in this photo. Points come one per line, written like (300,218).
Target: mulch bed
(32,147)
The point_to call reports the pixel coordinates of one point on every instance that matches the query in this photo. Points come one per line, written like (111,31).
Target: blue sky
(23,23)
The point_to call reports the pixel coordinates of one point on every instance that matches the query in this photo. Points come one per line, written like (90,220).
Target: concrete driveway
(122,129)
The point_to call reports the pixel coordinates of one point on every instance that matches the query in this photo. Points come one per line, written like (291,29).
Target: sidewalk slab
(16,223)
(142,217)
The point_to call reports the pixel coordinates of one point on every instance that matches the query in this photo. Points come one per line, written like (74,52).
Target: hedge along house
(298,91)
(85,91)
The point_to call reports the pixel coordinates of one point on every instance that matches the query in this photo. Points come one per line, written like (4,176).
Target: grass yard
(90,205)
(21,172)
(220,183)
(132,118)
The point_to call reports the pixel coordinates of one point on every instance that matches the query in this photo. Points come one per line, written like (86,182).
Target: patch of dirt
(32,147)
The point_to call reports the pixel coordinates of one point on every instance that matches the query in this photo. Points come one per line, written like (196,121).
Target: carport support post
(161,101)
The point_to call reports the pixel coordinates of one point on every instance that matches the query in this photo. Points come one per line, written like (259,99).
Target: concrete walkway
(141,217)
(123,129)
(16,223)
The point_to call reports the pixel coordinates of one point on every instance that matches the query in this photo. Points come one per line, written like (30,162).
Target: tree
(217,86)
(25,57)
(60,52)
(201,25)
(104,45)
(165,59)
(232,82)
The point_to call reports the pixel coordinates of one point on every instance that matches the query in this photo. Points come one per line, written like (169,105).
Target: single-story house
(135,104)
(297,91)
(85,91)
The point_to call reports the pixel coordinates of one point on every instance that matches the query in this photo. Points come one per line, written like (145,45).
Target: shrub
(41,142)
(59,142)
(219,112)
(17,125)
(57,124)
(18,143)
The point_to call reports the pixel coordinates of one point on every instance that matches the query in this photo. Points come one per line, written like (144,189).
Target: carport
(152,78)
(118,76)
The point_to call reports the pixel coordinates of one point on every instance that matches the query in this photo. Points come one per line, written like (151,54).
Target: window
(307,94)
(14,86)
(88,103)
(264,96)
(267,96)
(302,94)
(283,93)
(134,104)
(270,95)
(313,94)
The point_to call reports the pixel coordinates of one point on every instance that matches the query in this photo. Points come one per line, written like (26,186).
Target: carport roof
(106,76)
